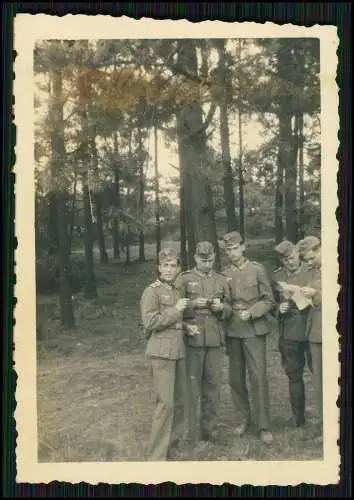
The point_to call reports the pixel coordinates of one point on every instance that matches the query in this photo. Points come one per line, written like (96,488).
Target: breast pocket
(251,289)
(193,290)
(167,301)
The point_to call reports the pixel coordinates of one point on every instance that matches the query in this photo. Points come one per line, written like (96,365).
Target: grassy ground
(95,399)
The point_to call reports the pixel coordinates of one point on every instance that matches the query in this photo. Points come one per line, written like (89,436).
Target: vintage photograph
(178,226)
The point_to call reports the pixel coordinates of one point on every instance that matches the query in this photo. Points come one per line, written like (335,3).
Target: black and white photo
(177,251)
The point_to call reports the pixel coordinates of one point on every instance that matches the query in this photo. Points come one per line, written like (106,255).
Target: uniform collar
(203,275)
(242,266)
(170,286)
(293,273)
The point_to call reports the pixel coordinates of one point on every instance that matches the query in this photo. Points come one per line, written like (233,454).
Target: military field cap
(204,249)
(168,254)
(285,249)
(308,243)
(233,238)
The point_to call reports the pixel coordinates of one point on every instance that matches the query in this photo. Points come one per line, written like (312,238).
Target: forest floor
(95,397)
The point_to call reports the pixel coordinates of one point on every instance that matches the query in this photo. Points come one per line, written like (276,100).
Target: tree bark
(291,212)
(287,143)
(58,155)
(183,235)
(225,144)
(192,141)
(228,176)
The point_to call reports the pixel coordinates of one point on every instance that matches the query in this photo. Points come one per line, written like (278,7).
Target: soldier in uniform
(161,311)
(293,345)
(310,252)
(252,298)
(209,295)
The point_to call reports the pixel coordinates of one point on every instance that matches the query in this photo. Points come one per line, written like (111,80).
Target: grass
(95,397)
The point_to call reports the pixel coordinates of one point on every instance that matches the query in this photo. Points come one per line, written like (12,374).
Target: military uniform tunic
(165,349)
(293,344)
(314,334)
(246,340)
(204,353)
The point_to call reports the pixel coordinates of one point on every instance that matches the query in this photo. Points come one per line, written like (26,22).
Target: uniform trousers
(204,379)
(169,382)
(316,362)
(250,354)
(293,357)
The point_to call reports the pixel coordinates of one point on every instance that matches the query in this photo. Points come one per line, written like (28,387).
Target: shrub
(47,274)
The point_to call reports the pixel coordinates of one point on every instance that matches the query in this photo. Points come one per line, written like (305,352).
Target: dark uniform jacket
(193,284)
(250,290)
(162,322)
(314,324)
(293,324)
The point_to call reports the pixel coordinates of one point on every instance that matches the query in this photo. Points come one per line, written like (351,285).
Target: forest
(140,144)
(100,106)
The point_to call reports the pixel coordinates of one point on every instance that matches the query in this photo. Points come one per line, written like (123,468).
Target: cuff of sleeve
(226,312)
(259,310)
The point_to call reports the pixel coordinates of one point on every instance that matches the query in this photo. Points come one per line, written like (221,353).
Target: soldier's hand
(217,305)
(284,307)
(244,315)
(200,302)
(181,304)
(308,292)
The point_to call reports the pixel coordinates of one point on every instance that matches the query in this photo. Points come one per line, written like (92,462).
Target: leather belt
(203,312)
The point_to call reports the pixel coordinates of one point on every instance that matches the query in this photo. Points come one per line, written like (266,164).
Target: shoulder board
(183,273)
(155,284)
(277,270)
(220,274)
(256,263)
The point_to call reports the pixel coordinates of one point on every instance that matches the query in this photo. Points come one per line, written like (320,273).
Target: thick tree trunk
(287,144)
(228,176)
(183,235)
(186,258)
(192,141)
(225,143)
(90,285)
(291,213)
(58,152)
